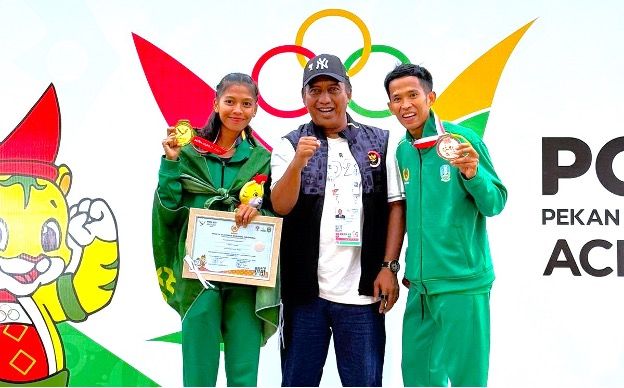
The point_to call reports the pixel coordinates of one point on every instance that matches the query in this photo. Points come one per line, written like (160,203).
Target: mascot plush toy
(251,193)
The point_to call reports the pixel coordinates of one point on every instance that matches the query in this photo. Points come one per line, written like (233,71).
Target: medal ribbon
(430,141)
(204,145)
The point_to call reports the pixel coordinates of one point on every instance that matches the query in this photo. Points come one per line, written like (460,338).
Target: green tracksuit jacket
(203,182)
(448,249)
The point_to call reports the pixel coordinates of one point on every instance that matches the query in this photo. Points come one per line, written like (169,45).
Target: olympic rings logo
(362,54)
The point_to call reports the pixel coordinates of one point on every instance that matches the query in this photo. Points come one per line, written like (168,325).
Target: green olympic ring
(376,48)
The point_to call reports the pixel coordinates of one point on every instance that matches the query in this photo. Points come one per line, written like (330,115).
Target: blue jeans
(359,341)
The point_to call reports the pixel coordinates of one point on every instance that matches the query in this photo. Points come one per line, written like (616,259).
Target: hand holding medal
(452,147)
(466,158)
(171,144)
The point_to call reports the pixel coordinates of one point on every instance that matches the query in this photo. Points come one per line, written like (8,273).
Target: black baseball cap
(325,64)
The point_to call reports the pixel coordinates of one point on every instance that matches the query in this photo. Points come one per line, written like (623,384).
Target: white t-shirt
(339,267)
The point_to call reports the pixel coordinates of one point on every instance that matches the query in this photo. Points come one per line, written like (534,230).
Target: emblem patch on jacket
(405,174)
(374,158)
(445,173)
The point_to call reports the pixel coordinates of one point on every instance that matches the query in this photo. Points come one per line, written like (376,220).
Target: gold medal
(184,132)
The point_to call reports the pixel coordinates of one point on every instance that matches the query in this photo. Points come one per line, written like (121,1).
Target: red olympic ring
(289,48)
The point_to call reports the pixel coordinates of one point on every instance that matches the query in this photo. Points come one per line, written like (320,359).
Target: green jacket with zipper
(448,249)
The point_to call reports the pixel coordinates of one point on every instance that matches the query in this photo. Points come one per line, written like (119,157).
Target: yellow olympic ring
(345,14)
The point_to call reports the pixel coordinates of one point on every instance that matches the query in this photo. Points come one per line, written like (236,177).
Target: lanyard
(430,141)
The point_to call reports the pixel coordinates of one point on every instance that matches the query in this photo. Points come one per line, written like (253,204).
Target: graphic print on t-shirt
(344,181)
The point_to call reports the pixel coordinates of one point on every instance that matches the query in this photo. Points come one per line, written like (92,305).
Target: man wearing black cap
(338,274)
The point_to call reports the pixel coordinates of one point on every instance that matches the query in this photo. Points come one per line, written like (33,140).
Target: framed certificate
(219,250)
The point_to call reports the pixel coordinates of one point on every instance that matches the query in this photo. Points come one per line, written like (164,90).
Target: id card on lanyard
(348,227)
(343,177)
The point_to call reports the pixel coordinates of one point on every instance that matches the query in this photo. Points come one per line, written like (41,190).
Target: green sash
(169,234)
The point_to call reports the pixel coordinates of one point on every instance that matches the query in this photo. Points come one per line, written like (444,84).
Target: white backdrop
(563,79)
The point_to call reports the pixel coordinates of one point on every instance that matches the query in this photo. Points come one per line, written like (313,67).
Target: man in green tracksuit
(450,188)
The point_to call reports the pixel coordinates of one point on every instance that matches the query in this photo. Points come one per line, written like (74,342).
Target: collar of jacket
(428,130)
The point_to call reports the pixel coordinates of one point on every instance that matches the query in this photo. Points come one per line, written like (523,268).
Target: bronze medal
(446,147)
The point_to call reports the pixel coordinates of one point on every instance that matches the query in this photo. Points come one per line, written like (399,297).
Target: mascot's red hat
(33,145)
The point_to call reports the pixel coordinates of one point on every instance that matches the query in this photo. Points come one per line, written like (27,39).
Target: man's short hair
(410,70)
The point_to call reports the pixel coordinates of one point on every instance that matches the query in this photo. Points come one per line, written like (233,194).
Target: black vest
(299,251)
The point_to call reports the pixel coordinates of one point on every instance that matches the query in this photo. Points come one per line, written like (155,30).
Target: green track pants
(221,314)
(446,337)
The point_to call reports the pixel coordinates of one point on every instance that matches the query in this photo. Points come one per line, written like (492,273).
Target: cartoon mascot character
(252,192)
(57,263)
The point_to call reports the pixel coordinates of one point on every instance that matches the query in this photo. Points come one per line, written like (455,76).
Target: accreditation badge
(348,227)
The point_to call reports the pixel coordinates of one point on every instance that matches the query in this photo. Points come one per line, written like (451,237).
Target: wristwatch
(392,265)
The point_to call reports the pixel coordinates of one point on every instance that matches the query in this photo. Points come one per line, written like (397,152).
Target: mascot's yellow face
(33,232)
(251,194)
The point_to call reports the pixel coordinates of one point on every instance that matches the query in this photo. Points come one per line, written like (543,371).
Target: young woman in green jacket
(241,317)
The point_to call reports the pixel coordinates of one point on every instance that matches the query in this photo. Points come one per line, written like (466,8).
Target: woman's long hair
(213,125)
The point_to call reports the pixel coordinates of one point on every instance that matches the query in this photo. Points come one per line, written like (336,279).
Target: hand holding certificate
(222,251)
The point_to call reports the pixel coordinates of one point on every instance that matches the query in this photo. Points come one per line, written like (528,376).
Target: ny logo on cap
(321,63)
